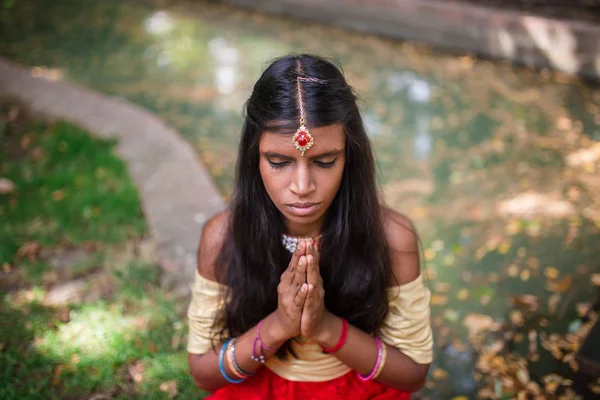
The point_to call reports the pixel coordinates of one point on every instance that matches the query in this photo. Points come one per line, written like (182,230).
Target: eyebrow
(271,154)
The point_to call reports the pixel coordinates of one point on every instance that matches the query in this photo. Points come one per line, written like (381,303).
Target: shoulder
(214,234)
(403,245)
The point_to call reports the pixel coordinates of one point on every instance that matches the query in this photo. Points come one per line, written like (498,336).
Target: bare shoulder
(211,242)
(403,243)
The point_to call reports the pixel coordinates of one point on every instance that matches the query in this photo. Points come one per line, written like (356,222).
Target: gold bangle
(383,360)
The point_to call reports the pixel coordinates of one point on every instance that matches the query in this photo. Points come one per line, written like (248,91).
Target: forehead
(327,138)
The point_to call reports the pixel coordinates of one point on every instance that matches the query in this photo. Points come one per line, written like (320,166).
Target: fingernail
(310,286)
(301,262)
(303,288)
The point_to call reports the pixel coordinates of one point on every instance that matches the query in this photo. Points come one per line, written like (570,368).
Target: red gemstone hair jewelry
(303,140)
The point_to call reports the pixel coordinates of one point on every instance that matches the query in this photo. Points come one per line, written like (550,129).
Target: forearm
(205,368)
(360,353)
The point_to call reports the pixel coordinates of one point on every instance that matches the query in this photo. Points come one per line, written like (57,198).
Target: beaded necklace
(290,242)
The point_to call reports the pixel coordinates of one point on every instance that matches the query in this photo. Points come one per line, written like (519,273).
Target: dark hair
(354,260)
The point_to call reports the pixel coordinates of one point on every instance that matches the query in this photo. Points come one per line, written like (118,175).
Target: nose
(302,183)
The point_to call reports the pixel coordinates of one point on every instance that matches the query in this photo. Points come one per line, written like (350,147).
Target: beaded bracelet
(377,364)
(222,368)
(341,340)
(259,356)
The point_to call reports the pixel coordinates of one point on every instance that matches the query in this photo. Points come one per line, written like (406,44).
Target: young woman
(307,288)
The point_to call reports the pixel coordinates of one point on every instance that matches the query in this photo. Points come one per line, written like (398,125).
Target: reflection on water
(498,167)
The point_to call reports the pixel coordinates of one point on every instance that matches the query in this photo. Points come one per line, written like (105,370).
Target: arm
(360,349)
(276,328)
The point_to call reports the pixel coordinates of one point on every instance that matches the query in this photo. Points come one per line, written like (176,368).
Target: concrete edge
(177,193)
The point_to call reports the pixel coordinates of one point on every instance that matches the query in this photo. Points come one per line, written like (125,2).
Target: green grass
(88,348)
(70,188)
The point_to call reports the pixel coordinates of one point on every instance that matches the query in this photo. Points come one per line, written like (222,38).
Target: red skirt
(268,385)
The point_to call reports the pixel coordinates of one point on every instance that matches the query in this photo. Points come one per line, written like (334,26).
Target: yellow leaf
(525,275)
(442,287)
(463,294)
(439,374)
(551,272)
(438,300)
(429,254)
(512,270)
(596,279)
(170,387)
(504,247)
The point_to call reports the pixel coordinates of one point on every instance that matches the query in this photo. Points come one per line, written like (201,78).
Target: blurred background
(484,115)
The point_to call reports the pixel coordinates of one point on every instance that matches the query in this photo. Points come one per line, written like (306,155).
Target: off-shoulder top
(406,327)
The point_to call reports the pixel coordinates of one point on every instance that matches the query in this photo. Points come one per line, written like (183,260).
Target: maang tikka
(303,140)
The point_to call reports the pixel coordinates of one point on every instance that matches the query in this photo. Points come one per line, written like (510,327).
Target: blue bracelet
(222,368)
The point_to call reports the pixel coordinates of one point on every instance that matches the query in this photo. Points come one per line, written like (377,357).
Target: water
(498,167)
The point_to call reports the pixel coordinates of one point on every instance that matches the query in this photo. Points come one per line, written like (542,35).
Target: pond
(497,166)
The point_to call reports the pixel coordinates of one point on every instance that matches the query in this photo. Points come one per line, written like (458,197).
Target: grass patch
(69,188)
(72,211)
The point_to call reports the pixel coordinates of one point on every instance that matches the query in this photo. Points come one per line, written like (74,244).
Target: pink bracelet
(379,357)
(263,346)
(259,356)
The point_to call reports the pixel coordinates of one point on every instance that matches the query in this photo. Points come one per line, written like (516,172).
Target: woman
(307,287)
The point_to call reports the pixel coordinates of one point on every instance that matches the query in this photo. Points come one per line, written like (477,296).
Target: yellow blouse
(405,327)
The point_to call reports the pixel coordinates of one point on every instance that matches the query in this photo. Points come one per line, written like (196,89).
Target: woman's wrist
(331,331)
(272,332)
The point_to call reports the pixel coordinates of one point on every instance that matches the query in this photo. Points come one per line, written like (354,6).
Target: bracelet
(259,356)
(222,368)
(262,344)
(235,367)
(377,364)
(341,340)
(383,360)
(229,362)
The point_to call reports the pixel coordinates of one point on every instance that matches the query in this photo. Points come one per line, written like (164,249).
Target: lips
(302,209)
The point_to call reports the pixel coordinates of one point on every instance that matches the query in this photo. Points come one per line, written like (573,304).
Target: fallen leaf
(438,300)
(29,250)
(170,387)
(551,272)
(6,186)
(58,195)
(512,271)
(442,287)
(57,374)
(562,285)
(553,303)
(463,294)
(136,371)
(476,323)
(439,374)
(526,302)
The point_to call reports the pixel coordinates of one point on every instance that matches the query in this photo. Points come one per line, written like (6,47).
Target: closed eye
(276,165)
(324,164)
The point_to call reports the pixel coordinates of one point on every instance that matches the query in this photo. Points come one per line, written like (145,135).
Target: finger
(293,265)
(300,297)
(300,272)
(312,276)
(313,252)
(310,297)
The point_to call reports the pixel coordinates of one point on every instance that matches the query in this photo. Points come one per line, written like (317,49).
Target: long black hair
(354,260)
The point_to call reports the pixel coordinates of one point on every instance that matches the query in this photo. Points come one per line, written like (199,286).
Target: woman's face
(303,187)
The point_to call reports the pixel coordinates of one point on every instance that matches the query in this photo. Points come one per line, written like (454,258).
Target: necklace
(290,242)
